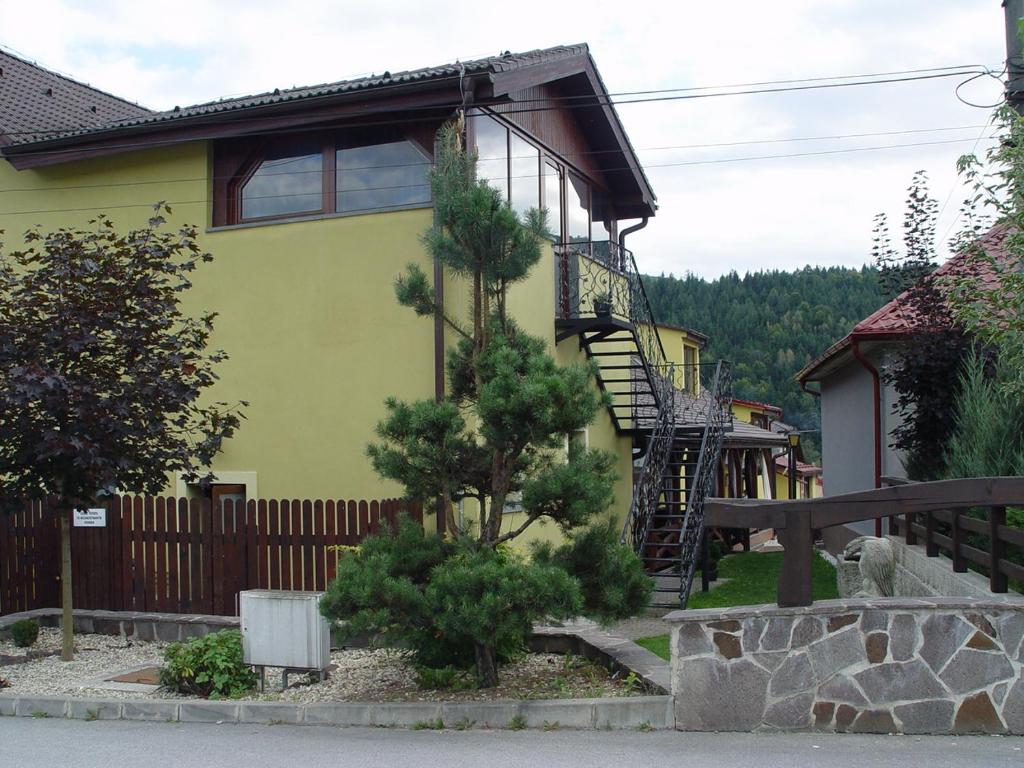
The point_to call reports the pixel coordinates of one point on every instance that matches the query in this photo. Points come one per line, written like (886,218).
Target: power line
(406,186)
(714,145)
(976,70)
(440,110)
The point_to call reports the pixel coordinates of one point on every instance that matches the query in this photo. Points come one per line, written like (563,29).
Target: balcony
(600,298)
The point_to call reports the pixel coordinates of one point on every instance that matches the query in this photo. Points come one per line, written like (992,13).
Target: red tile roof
(897,318)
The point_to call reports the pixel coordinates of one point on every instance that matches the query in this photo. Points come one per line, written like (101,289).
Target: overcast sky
(713,218)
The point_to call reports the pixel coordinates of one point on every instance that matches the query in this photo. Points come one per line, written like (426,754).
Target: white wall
(847,434)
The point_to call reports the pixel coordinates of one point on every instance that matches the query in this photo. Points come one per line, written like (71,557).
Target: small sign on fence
(91,518)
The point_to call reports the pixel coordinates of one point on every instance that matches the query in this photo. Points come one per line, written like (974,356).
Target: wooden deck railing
(920,505)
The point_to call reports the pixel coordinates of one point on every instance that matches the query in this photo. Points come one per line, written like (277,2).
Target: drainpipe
(629,231)
(877,422)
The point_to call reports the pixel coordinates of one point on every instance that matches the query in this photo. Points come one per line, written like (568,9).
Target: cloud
(767,214)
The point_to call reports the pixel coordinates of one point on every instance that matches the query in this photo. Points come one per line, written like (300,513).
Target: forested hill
(770,324)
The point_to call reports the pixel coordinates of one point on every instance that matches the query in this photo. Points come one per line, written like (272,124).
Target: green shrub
(24,633)
(611,576)
(449,604)
(444,679)
(209,666)
(988,436)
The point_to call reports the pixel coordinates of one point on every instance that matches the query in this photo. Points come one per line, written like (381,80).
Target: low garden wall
(881,665)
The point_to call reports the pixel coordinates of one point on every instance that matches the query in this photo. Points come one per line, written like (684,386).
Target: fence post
(931,549)
(797,540)
(959,565)
(908,534)
(996,579)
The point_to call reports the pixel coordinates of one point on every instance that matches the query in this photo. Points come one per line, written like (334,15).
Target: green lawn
(753,580)
(657,644)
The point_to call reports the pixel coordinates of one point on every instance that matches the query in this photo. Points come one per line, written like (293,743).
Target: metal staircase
(601,299)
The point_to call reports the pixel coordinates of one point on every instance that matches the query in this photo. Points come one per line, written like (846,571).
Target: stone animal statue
(877,563)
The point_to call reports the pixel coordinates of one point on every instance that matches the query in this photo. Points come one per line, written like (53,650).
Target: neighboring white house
(857,406)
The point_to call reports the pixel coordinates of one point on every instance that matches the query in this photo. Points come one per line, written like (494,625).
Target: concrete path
(29,743)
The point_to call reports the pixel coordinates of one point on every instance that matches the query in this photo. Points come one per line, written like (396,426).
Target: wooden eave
(633,193)
(429,100)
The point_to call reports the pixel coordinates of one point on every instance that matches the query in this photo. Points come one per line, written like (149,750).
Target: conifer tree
(498,435)
(501,430)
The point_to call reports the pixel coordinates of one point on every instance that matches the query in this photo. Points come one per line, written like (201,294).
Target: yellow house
(312,200)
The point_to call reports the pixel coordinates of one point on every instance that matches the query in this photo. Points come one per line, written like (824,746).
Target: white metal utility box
(281,628)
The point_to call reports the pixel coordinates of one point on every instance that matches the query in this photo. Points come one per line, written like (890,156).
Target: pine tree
(499,433)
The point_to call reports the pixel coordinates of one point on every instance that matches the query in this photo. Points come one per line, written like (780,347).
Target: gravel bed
(358,675)
(96,656)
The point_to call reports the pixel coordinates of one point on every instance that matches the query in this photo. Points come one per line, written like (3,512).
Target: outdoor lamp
(794,439)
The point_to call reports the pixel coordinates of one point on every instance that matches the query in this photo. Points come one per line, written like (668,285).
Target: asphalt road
(26,743)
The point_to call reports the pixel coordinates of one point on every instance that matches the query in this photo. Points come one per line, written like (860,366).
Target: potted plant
(603,303)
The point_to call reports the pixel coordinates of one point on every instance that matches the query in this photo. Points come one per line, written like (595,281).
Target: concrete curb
(647,712)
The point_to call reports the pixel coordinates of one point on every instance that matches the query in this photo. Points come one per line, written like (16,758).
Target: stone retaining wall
(167,627)
(884,665)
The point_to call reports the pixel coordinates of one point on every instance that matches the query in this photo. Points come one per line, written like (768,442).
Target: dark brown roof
(136,116)
(35,103)
(503,63)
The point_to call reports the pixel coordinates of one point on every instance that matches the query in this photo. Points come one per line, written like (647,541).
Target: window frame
(329,144)
(550,157)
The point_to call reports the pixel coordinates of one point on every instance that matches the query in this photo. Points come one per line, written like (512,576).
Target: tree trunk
(67,652)
(486,665)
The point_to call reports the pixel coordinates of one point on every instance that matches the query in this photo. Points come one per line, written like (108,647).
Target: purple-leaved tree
(102,375)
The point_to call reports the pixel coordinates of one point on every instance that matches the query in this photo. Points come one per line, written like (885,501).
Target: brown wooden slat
(160,551)
(206,521)
(364,520)
(330,541)
(308,569)
(974,525)
(184,550)
(275,544)
(196,564)
(295,515)
(318,548)
(352,524)
(1012,570)
(217,558)
(374,517)
(138,555)
(1013,536)
(252,550)
(173,547)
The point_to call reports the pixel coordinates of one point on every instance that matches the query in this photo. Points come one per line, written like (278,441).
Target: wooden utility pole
(1013,11)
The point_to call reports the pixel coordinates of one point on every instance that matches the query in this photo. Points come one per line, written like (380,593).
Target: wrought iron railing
(649,482)
(594,273)
(718,420)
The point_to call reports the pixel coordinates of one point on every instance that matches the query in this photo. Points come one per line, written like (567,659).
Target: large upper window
(328,174)
(382,176)
(492,153)
(283,186)
(524,178)
(577,210)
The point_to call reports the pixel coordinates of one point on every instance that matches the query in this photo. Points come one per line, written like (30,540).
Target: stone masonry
(879,665)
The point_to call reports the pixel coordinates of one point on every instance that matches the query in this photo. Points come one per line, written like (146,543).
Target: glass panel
(382,176)
(283,186)
(553,200)
(578,210)
(525,181)
(492,153)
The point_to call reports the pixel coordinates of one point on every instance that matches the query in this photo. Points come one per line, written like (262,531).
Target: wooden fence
(173,555)
(920,505)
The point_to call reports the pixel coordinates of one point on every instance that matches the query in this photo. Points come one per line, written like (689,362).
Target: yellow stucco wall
(306,311)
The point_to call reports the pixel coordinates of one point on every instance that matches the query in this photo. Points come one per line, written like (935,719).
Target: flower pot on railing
(602,306)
